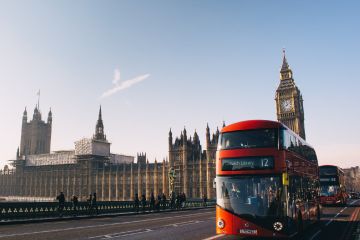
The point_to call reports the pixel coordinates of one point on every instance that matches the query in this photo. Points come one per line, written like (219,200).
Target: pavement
(79,217)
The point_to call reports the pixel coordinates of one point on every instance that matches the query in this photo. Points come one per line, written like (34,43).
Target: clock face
(286,105)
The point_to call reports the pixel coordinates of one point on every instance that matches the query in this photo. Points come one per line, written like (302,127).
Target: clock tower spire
(289,101)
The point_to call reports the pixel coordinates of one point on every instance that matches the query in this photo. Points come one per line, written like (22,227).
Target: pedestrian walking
(163,200)
(183,200)
(152,202)
(94,204)
(75,202)
(61,199)
(178,201)
(204,200)
(143,202)
(157,202)
(89,200)
(171,200)
(136,203)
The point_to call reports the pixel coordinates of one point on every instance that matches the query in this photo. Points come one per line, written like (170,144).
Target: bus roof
(258,124)
(252,124)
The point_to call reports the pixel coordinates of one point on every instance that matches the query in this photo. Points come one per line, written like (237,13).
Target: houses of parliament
(91,167)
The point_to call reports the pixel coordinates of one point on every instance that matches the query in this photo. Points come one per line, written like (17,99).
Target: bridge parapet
(26,210)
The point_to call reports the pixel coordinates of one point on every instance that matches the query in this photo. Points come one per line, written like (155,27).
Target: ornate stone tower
(36,134)
(99,129)
(289,101)
(211,147)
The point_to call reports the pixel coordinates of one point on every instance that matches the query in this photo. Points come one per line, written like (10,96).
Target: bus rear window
(258,138)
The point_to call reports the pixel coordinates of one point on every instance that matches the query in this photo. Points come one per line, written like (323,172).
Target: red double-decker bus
(332,184)
(267,181)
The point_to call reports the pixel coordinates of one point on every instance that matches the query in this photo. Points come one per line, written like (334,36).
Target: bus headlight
(220,223)
(278,226)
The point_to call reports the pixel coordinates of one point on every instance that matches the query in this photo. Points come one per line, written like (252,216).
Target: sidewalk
(70,217)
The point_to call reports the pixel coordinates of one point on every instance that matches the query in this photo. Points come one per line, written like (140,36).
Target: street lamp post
(172,177)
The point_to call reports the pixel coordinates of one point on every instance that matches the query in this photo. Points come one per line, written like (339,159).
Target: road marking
(100,225)
(213,237)
(328,223)
(123,234)
(183,223)
(138,231)
(350,224)
(315,235)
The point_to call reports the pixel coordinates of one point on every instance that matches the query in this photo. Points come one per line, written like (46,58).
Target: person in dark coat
(89,199)
(183,200)
(136,203)
(171,199)
(61,199)
(157,202)
(204,200)
(152,202)
(163,200)
(143,202)
(178,201)
(75,202)
(94,205)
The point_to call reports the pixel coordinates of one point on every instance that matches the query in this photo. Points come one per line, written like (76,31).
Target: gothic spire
(25,116)
(285,66)
(99,130)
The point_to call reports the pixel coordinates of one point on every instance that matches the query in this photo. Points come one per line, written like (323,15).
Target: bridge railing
(25,210)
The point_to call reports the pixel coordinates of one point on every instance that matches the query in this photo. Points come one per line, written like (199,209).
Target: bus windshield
(257,138)
(330,190)
(260,196)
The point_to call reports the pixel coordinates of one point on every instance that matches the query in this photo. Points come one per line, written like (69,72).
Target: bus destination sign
(247,163)
(329,180)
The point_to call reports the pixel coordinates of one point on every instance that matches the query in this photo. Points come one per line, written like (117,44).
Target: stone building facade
(195,169)
(93,168)
(352,179)
(36,134)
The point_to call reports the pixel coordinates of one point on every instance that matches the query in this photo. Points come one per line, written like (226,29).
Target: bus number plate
(247,231)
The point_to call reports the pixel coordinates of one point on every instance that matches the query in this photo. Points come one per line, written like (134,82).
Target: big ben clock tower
(289,101)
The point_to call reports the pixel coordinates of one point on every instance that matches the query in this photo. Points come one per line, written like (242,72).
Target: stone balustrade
(26,210)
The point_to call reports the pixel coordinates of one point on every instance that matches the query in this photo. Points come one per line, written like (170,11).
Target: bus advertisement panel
(267,181)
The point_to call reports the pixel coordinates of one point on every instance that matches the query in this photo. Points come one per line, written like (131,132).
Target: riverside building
(91,167)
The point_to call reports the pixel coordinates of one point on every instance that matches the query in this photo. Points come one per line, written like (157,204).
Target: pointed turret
(99,130)
(286,78)
(207,134)
(37,114)
(49,120)
(223,124)
(196,137)
(185,136)
(18,153)
(25,116)
(285,66)
(170,139)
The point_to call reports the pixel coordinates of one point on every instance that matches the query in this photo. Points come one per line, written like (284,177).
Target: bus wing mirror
(214,183)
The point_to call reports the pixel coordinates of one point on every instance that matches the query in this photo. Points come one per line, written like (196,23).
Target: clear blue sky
(189,63)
